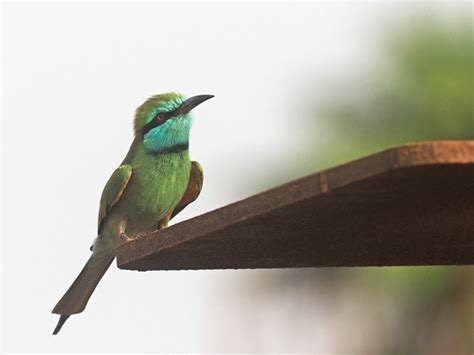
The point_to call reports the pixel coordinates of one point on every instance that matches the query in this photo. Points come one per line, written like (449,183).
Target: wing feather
(113,190)
(193,190)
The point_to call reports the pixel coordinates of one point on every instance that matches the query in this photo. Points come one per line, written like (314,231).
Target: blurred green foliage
(415,281)
(424,92)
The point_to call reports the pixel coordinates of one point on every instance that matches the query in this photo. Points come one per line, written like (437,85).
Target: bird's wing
(112,191)
(194,188)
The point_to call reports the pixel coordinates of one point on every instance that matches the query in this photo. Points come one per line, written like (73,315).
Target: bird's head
(164,121)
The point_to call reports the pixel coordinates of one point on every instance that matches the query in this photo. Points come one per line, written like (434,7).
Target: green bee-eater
(155,181)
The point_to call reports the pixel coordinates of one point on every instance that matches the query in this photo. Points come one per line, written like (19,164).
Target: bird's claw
(125,238)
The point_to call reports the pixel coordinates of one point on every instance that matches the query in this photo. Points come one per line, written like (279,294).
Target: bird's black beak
(191,103)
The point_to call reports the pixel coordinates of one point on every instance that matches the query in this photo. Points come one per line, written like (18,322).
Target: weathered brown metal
(410,205)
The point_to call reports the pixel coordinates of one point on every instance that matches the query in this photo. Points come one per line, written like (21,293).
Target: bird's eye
(160,117)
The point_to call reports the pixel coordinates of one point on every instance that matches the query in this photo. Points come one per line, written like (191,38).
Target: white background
(73,75)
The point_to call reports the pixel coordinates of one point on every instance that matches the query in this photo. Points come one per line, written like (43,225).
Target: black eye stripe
(155,123)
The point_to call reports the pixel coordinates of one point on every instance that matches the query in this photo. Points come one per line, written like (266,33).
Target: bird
(155,181)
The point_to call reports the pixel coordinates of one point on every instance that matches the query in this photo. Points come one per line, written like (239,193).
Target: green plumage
(156,185)
(155,181)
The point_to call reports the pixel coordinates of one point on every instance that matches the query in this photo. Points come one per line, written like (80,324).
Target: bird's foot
(163,223)
(125,238)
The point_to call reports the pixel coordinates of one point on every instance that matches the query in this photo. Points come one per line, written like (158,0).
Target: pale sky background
(73,75)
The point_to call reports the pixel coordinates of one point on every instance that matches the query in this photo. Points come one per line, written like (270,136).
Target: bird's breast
(156,187)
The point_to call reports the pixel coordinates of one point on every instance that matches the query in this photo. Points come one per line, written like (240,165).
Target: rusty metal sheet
(409,205)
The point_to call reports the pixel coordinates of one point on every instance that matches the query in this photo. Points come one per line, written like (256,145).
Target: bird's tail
(76,297)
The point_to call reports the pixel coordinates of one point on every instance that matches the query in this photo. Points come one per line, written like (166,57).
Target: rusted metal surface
(410,205)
